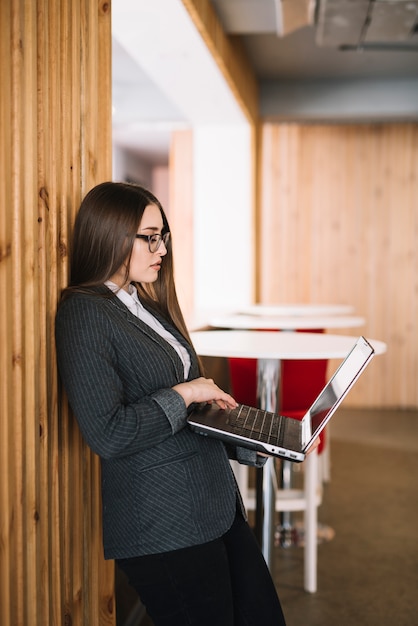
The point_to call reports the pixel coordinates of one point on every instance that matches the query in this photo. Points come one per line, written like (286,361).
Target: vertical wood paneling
(339,224)
(181,215)
(55,108)
(6,392)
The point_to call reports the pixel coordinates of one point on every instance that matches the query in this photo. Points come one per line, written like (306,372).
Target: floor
(368,573)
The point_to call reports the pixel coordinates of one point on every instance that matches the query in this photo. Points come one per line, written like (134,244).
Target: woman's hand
(204,390)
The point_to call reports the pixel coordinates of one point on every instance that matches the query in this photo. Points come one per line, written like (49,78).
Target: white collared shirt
(132,301)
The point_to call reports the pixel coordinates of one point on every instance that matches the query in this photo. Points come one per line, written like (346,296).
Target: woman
(173,518)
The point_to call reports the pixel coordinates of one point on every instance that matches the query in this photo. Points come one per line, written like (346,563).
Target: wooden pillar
(55,144)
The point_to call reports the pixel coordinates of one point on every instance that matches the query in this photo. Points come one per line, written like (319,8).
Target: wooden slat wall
(55,120)
(339,224)
(180,215)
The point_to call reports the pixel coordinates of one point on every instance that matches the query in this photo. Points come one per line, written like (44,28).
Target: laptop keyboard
(257,424)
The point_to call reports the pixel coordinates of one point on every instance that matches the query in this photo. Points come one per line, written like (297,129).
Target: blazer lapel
(152,334)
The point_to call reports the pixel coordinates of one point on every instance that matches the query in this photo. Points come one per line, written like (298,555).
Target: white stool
(307,500)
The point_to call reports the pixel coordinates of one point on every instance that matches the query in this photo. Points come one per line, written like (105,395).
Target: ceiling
(306,39)
(313,59)
(333,60)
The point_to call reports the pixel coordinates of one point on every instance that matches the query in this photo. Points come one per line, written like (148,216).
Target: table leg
(268,376)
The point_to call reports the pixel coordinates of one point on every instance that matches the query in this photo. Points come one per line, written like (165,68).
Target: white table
(286,322)
(296,309)
(269,348)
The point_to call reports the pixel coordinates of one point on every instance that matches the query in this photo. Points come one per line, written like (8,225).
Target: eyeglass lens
(154,241)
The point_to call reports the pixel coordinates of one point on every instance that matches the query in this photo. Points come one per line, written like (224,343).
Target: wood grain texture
(55,116)
(338,223)
(180,215)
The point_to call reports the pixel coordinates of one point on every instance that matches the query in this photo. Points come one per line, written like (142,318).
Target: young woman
(173,518)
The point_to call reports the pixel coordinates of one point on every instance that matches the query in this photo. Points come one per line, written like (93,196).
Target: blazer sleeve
(117,415)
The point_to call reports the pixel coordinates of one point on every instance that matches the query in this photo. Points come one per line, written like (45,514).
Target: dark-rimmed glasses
(154,241)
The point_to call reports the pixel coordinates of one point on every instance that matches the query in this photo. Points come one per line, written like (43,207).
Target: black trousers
(225,582)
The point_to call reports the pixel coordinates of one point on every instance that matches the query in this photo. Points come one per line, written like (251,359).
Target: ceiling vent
(252,17)
(343,24)
(367,24)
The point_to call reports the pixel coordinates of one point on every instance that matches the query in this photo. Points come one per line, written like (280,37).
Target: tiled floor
(368,574)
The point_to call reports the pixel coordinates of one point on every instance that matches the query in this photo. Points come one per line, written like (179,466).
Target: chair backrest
(243,379)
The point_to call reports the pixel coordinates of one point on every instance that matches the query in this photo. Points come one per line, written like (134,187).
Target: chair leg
(325,461)
(307,501)
(311,522)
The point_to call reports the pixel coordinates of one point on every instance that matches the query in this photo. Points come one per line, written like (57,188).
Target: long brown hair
(103,238)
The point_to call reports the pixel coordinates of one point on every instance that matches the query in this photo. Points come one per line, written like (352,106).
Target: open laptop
(278,435)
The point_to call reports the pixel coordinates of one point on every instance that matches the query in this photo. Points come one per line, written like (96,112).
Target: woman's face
(144,265)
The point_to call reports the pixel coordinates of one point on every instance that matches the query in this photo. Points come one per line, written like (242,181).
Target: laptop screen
(336,389)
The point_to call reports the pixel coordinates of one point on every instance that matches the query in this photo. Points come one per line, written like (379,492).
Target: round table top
(275,345)
(286,322)
(297,309)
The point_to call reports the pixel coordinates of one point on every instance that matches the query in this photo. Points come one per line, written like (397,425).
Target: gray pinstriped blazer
(163,487)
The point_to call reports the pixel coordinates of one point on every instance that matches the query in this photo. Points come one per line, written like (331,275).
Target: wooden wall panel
(55,119)
(339,224)
(180,215)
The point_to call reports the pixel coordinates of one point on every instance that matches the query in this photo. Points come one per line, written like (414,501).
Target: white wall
(223,232)
(129,166)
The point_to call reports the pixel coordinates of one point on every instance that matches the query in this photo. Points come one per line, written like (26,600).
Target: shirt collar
(130,299)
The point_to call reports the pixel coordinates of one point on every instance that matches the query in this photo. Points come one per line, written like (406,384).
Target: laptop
(277,435)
